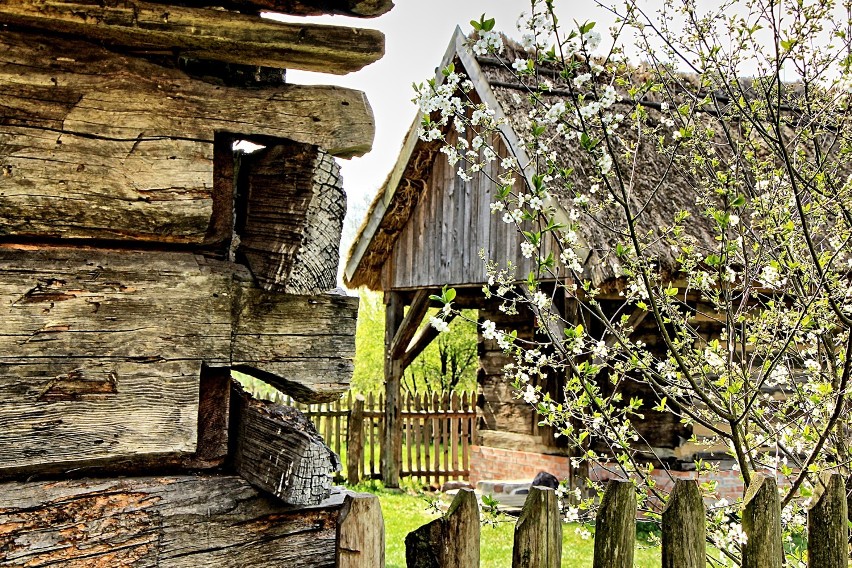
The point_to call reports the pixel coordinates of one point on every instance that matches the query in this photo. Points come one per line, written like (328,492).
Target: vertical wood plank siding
(440,243)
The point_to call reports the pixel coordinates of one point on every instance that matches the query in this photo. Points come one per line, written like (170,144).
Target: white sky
(416,36)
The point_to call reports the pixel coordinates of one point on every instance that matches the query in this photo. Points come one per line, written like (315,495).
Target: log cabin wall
(498,408)
(141,260)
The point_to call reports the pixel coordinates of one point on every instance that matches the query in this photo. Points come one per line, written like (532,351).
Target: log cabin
(426,228)
(143,257)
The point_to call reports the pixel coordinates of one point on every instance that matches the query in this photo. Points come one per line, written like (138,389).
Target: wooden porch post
(392,447)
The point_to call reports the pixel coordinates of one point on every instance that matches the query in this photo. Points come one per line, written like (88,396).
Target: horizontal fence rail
(437,432)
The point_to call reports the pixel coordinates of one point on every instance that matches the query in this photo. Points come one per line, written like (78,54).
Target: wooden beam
(410,323)
(278,450)
(392,447)
(100,354)
(302,345)
(94,145)
(290,235)
(353,8)
(178,521)
(101,351)
(421,342)
(202,33)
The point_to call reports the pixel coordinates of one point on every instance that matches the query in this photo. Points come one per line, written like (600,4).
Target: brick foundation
(487,463)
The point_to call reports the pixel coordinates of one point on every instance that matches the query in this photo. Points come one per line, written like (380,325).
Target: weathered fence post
(538,533)
(828,531)
(355,441)
(361,532)
(684,528)
(449,542)
(615,526)
(762,524)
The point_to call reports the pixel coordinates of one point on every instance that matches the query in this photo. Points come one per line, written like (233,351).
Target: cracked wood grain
(96,145)
(101,351)
(202,33)
(277,449)
(290,236)
(165,521)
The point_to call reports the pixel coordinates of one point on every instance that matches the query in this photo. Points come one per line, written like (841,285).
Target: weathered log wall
(97,145)
(498,408)
(100,351)
(126,295)
(170,521)
(202,33)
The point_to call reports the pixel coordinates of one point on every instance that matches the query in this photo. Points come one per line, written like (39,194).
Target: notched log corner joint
(277,449)
(290,217)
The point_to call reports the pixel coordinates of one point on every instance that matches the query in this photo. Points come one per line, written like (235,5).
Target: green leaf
(587,27)
(483,25)
(449,294)
(739,201)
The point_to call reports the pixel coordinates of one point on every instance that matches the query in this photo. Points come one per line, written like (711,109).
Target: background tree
(448,364)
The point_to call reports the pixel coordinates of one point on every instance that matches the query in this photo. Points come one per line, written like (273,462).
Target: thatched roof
(663,186)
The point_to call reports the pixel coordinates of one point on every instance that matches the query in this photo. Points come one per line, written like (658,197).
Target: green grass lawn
(404,512)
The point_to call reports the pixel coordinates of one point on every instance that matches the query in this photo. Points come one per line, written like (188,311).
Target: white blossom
(439,324)
(488,42)
(530,395)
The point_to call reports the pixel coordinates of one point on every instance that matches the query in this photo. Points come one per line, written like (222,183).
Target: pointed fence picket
(538,541)
(437,432)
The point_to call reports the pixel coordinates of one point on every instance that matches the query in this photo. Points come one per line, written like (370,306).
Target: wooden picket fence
(437,432)
(453,540)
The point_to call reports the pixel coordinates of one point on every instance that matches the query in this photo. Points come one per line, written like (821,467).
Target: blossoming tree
(744,108)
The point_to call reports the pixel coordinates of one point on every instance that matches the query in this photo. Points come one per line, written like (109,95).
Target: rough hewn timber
(684,527)
(354,8)
(100,351)
(278,450)
(538,532)
(762,524)
(451,541)
(295,206)
(202,33)
(303,345)
(361,533)
(98,145)
(167,521)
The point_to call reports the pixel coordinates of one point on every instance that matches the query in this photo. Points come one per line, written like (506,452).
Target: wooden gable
(442,239)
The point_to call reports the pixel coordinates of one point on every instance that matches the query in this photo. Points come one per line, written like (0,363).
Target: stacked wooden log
(142,258)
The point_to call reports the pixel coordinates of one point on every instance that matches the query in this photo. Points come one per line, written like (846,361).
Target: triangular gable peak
(426,226)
